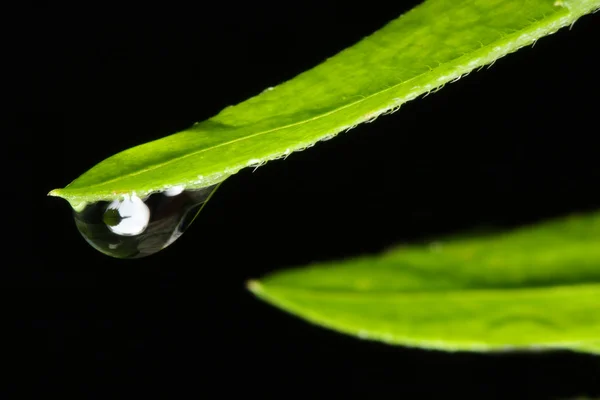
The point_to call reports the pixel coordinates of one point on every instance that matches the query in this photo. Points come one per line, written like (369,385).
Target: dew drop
(174,191)
(133,228)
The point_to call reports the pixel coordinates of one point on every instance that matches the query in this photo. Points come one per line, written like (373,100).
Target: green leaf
(435,43)
(593,348)
(532,288)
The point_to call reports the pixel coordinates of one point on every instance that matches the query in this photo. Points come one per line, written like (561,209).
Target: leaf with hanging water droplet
(534,288)
(435,43)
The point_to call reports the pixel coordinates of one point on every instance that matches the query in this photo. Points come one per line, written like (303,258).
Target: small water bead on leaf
(133,228)
(173,191)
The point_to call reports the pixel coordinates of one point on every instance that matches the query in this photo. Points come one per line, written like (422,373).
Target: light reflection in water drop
(135,228)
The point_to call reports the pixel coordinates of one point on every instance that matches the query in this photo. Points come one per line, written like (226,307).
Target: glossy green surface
(533,288)
(435,43)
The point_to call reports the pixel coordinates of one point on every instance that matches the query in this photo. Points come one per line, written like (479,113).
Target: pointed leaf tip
(254,286)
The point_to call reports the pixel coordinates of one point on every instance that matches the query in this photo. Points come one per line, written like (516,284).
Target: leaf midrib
(260,287)
(195,152)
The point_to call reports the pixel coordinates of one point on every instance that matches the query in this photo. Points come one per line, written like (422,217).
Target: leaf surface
(532,288)
(435,43)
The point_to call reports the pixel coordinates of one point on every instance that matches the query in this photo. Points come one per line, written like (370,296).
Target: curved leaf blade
(533,288)
(435,43)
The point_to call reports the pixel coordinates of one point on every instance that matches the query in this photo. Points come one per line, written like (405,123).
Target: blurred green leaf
(537,287)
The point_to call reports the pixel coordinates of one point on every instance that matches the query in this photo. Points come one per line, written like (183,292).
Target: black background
(505,146)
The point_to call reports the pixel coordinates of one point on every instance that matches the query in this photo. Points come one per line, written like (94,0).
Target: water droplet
(173,191)
(133,228)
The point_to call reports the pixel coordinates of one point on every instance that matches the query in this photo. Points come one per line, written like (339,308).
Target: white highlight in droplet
(173,191)
(134,213)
